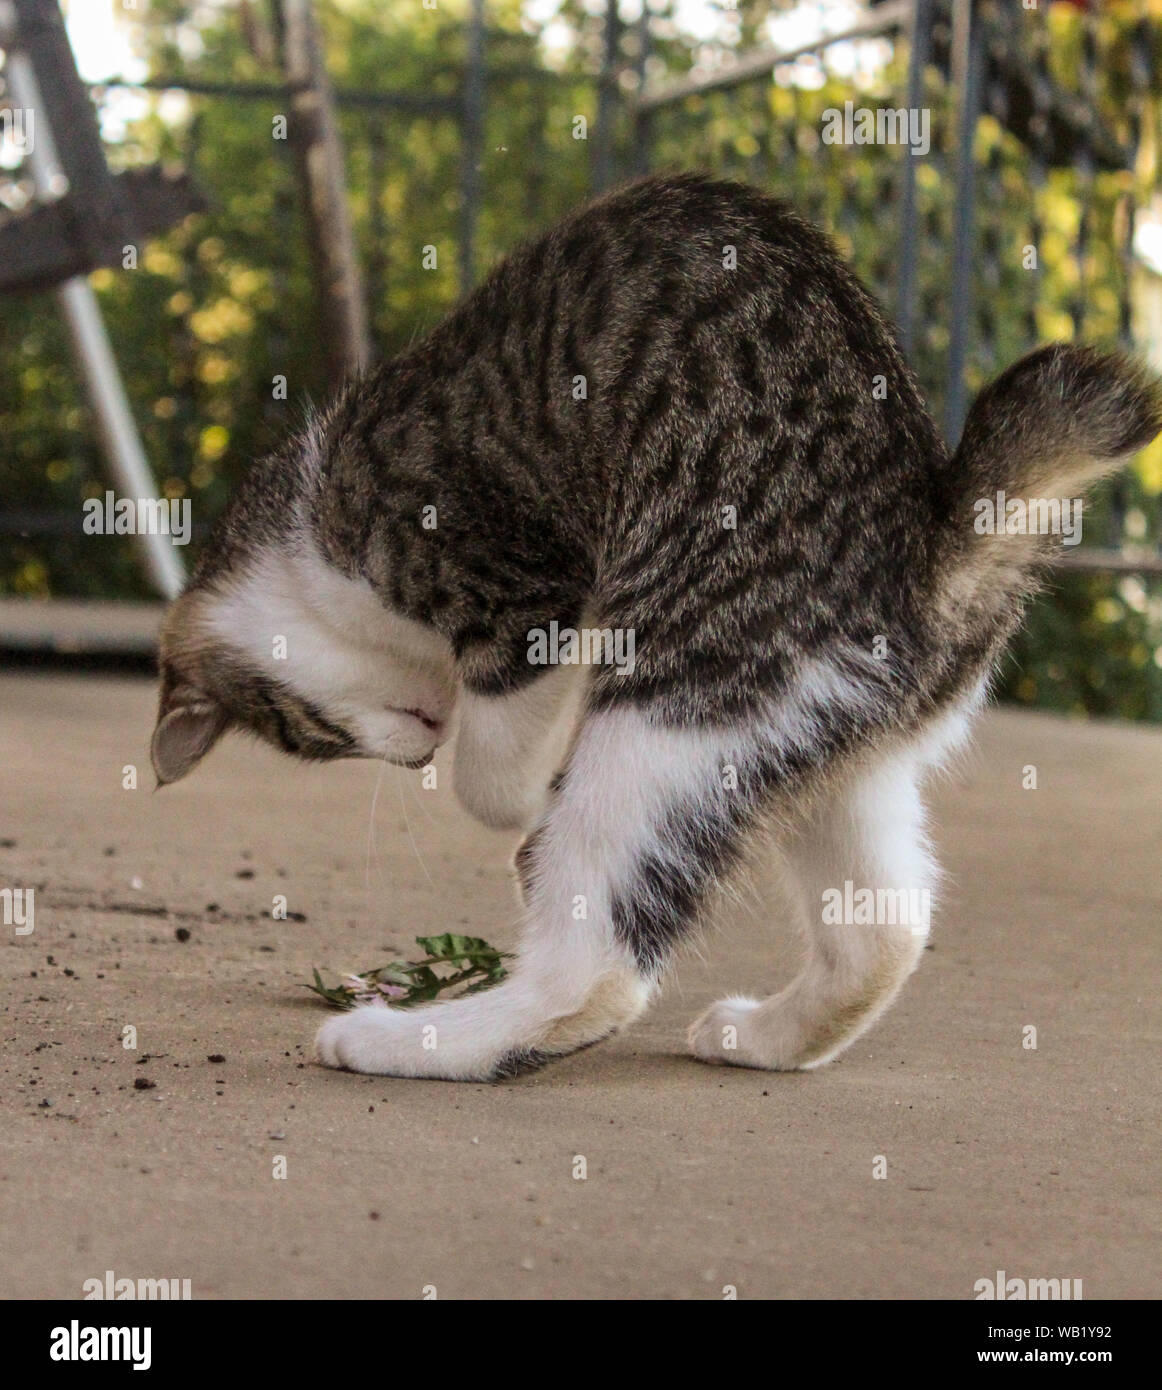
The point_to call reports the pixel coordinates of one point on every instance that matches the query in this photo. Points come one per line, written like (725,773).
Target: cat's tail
(1035,439)
(1057,420)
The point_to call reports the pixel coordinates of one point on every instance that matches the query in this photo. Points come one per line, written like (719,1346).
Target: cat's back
(690,292)
(699,386)
(767,464)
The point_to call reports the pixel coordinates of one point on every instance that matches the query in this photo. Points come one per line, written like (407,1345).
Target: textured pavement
(1041,1162)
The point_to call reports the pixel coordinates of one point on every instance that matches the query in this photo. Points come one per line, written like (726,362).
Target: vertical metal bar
(1141,53)
(921,47)
(1089,86)
(318,146)
(91,346)
(1141,71)
(1039,154)
(1085,165)
(376,225)
(967,63)
(471,146)
(643,124)
(115,423)
(603,145)
(990,254)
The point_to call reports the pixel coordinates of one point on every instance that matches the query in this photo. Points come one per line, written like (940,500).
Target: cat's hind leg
(635,835)
(865,879)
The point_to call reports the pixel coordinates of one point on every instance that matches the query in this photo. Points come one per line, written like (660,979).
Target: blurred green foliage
(223,305)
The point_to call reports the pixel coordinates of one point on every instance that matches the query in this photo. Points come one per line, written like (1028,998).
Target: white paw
(373,1039)
(720,1035)
(383,1041)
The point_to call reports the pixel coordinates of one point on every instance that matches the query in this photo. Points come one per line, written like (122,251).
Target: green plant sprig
(450,961)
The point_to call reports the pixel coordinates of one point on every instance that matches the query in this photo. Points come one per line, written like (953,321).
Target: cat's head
(306,659)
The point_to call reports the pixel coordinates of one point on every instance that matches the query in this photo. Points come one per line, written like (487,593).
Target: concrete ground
(157,1162)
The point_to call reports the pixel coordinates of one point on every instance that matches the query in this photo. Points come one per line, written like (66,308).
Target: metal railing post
(472,147)
(90,340)
(643,122)
(967,63)
(920,38)
(607,100)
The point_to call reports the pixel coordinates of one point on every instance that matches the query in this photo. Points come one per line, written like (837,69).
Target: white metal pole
(94,352)
(122,444)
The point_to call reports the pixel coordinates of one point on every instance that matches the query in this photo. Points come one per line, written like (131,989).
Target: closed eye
(279,720)
(324,729)
(425,719)
(300,728)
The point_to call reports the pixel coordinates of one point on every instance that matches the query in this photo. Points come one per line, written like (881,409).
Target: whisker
(422,802)
(371,835)
(411,837)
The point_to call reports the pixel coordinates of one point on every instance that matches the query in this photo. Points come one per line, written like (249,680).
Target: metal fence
(1033,122)
(1024,113)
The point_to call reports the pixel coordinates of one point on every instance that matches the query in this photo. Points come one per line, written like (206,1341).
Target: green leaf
(452,963)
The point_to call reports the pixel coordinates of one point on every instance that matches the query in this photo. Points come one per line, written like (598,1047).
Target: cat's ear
(185,733)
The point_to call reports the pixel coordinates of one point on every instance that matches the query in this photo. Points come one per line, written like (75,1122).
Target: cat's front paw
(366,1039)
(720,1035)
(382,1041)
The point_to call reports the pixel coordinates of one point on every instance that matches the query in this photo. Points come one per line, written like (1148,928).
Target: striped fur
(678,415)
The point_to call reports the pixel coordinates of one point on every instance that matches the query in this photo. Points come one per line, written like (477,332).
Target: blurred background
(243,199)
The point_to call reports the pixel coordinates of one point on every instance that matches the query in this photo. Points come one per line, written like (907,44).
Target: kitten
(676,415)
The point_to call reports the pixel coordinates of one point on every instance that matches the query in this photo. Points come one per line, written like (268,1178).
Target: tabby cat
(678,416)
